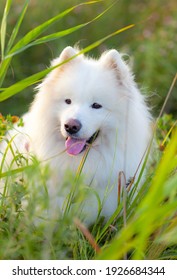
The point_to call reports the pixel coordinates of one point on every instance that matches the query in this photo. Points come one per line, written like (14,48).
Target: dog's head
(87,96)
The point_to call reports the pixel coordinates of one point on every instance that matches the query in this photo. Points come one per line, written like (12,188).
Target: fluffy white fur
(123,123)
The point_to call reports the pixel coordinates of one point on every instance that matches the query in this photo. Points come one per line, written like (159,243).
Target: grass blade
(4,26)
(3,69)
(48,38)
(17,26)
(6,61)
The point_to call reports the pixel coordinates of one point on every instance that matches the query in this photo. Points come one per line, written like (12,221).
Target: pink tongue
(74,146)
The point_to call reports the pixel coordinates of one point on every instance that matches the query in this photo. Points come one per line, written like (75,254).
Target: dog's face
(84,107)
(86,94)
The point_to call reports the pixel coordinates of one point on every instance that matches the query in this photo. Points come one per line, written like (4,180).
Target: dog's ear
(113,60)
(66,54)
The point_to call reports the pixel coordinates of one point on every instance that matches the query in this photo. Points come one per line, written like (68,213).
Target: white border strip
(72,270)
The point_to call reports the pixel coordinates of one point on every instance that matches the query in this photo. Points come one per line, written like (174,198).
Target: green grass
(146,228)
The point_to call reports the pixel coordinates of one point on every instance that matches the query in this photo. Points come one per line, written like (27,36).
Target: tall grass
(145,228)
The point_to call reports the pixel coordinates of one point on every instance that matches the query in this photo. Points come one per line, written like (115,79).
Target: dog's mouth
(75,146)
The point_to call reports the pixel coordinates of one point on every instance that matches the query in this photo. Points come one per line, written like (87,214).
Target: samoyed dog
(87,105)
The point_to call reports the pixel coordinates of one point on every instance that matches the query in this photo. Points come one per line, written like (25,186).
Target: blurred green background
(151,44)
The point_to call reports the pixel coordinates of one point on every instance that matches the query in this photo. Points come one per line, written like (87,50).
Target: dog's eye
(68,101)
(96,106)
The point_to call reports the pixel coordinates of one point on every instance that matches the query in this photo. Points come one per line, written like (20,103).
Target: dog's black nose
(73,126)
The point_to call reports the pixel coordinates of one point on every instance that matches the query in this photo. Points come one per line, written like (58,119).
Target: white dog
(88,104)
